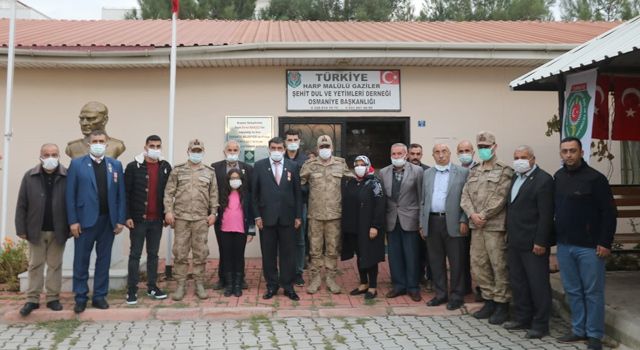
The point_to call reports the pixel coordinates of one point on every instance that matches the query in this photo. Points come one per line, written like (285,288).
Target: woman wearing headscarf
(362,223)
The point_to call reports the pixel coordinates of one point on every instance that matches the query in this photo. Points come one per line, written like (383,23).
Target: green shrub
(13,261)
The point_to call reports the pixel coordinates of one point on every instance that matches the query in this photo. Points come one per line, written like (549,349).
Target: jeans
(403,259)
(101,235)
(583,276)
(151,232)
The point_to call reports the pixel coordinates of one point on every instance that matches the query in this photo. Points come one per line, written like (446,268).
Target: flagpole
(7,119)
(172,107)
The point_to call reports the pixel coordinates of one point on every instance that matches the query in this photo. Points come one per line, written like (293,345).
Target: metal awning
(615,51)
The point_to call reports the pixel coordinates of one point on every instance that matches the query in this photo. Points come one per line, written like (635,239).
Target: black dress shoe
(269,294)
(415,296)
(455,304)
(100,304)
(395,293)
(358,291)
(515,325)
(27,308)
(571,338)
(54,305)
(292,295)
(594,344)
(535,334)
(368,295)
(436,301)
(80,307)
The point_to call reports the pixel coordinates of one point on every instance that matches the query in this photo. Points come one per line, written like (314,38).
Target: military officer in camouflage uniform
(484,199)
(191,206)
(324,175)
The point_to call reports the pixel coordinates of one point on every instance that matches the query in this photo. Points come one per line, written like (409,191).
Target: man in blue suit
(96,210)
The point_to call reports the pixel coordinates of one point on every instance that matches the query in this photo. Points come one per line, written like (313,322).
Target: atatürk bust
(93,116)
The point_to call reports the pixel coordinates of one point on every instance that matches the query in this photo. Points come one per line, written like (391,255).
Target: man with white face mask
(41,219)
(402,184)
(145,179)
(324,175)
(231,160)
(191,207)
(529,227)
(96,211)
(484,200)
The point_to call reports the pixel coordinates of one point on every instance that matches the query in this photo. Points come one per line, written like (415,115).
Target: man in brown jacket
(484,199)
(41,218)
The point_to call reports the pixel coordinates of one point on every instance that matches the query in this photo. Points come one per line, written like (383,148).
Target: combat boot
(316,281)
(486,311)
(200,292)
(500,314)
(332,285)
(178,294)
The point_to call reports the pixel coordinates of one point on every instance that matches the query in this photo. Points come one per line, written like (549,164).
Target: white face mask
(293,146)
(97,149)
(398,162)
(521,165)
(325,153)
(235,183)
(465,158)
(196,158)
(441,167)
(360,170)
(49,163)
(232,157)
(154,153)
(276,156)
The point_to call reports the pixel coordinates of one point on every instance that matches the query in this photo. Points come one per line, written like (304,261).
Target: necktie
(276,165)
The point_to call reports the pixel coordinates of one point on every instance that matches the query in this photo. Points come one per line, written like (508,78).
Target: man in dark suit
(444,225)
(231,155)
(96,212)
(277,204)
(529,227)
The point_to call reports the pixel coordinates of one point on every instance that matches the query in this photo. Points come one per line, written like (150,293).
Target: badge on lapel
(115,177)
(289,176)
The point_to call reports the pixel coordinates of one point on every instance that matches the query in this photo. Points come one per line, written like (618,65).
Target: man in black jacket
(231,155)
(585,221)
(277,205)
(145,179)
(41,219)
(529,227)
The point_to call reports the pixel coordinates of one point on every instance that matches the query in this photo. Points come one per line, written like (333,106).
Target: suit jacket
(276,204)
(454,214)
(407,209)
(83,205)
(530,214)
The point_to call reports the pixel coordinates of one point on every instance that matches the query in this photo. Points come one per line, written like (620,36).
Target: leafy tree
(338,10)
(599,10)
(195,9)
(482,10)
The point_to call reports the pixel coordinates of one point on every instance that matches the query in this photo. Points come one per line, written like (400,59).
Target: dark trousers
(529,277)
(233,245)
(278,243)
(368,275)
(466,274)
(101,236)
(403,259)
(441,247)
(151,233)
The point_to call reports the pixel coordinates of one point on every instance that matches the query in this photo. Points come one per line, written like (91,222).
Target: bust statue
(93,116)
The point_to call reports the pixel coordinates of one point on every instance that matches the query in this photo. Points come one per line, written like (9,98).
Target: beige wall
(455,102)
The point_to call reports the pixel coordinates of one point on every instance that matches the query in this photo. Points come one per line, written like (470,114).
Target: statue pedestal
(117,273)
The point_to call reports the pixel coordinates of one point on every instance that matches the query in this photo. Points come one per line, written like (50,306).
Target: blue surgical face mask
(465,158)
(196,158)
(485,153)
(97,149)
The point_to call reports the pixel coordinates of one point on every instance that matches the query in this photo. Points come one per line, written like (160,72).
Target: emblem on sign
(576,120)
(294,79)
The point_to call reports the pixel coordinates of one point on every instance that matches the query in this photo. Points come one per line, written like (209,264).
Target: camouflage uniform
(325,211)
(486,193)
(191,196)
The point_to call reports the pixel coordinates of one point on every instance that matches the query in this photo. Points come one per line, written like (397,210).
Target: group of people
(498,220)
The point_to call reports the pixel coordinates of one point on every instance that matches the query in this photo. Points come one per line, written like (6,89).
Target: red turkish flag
(626,123)
(390,77)
(175,6)
(601,109)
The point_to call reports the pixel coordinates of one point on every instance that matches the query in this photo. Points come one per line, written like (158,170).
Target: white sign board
(343,90)
(253,135)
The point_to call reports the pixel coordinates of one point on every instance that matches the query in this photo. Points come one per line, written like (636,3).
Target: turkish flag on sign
(175,6)
(601,109)
(390,77)
(626,123)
